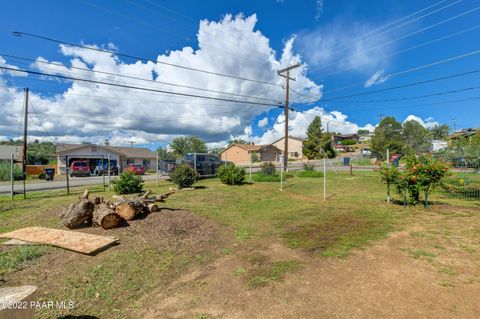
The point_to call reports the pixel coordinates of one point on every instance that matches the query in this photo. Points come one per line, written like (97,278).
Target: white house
(120,156)
(295,146)
(438,145)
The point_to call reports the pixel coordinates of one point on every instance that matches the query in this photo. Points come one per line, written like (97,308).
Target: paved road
(58,184)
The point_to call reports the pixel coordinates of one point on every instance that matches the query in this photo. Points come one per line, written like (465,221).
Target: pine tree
(314,139)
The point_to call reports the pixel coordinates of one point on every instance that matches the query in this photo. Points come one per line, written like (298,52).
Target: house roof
(290,137)
(6,152)
(132,152)
(251,147)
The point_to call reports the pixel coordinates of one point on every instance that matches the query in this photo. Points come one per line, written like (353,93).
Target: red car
(136,169)
(80,168)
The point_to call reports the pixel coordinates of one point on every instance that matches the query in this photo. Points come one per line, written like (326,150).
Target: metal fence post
(12,190)
(157,168)
(103,174)
(67,169)
(108,159)
(324,177)
(281,172)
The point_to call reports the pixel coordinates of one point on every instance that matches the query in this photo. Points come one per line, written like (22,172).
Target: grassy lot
(242,219)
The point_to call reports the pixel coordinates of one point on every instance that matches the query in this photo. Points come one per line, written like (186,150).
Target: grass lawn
(242,219)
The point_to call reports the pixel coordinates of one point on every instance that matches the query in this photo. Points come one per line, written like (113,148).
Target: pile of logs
(99,213)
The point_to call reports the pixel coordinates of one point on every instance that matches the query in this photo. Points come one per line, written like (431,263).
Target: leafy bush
(311,173)
(268,168)
(422,174)
(5,171)
(349,142)
(127,183)
(265,178)
(184,176)
(308,167)
(231,174)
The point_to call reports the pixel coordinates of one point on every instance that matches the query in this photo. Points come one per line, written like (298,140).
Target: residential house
(6,152)
(120,156)
(463,134)
(241,154)
(438,145)
(295,146)
(338,138)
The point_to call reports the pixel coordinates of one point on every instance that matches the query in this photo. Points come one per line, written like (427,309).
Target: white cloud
(299,121)
(377,78)
(89,112)
(341,46)
(263,122)
(427,123)
(9,72)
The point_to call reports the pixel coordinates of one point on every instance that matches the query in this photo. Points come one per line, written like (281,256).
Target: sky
(347,50)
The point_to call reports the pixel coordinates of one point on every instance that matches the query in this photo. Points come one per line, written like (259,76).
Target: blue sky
(327,38)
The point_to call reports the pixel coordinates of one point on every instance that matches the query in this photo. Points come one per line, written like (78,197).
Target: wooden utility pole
(287,91)
(25,132)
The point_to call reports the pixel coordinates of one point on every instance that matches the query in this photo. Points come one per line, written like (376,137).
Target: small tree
(313,142)
(231,175)
(389,175)
(268,168)
(183,176)
(429,173)
(128,183)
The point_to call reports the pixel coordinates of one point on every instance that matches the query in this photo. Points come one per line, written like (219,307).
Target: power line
(23,104)
(346,45)
(136,87)
(402,37)
(18,33)
(424,66)
(410,48)
(406,85)
(130,77)
(226,36)
(416,97)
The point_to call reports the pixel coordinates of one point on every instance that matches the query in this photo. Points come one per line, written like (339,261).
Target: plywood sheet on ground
(71,240)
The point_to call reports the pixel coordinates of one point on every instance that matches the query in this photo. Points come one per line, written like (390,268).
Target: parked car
(205,164)
(366,152)
(102,169)
(80,168)
(136,169)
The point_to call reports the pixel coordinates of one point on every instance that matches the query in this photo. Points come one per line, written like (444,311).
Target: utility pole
(131,143)
(25,132)
(287,90)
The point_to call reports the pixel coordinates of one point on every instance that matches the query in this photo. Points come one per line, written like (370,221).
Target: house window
(130,161)
(94,148)
(295,154)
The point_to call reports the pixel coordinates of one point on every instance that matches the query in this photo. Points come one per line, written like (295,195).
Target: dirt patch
(399,277)
(318,237)
(151,253)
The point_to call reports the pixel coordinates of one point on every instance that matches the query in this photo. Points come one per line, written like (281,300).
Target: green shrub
(5,171)
(349,142)
(308,167)
(268,168)
(312,173)
(127,183)
(265,178)
(231,174)
(184,176)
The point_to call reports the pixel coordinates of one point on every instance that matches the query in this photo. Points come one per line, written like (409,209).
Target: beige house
(241,154)
(120,156)
(295,146)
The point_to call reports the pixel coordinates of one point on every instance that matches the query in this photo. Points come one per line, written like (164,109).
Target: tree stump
(130,208)
(79,213)
(106,217)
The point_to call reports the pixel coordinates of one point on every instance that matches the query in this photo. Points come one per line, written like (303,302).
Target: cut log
(130,208)
(153,208)
(106,217)
(162,197)
(145,196)
(79,213)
